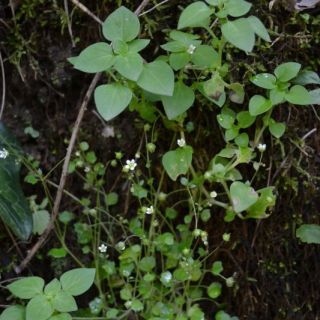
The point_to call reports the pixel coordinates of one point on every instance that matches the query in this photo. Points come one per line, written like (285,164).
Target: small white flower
(181,142)
(150,210)
(213,194)
(130,165)
(103,248)
(262,147)
(3,153)
(166,277)
(191,49)
(87,169)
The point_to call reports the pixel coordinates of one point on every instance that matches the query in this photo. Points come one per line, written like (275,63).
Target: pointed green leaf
(307,77)
(95,58)
(177,162)
(39,308)
(242,195)
(245,119)
(196,14)
(27,288)
(122,24)
(277,129)
(179,60)
(239,33)
(259,28)
(64,302)
(112,99)
(181,101)
(237,8)
(157,77)
(129,65)
(287,71)
(299,95)
(264,80)
(205,56)
(14,313)
(258,105)
(138,45)
(61,316)
(77,281)
(309,233)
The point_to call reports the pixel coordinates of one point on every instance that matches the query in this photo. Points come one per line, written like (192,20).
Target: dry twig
(86,10)
(63,178)
(3,100)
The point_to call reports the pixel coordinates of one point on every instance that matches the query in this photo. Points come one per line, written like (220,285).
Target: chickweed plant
(154,260)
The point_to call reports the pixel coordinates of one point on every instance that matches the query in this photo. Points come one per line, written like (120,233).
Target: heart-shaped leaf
(181,101)
(129,65)
(157,77)
(239,33)
(196,14)
(287,71)
(242,195)
(258,105)
(95,58)
(264,80)
(299,95)
(112,99)
(177,162)
(122,24)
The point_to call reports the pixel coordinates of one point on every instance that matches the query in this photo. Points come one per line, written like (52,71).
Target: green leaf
(277,129)
(237,8)
(157,77)
(299,95)
(242,195)
(136,305)
(264,80)
(41,220)
(181,101)
(26,288)
(147,264)
(62,316)
(57,253)
(138,45)
(130,65)
(77,281)
(266,200)
(95,58)
(217,268)
(277,96)
(122,24)
(112,99)
(174,46)
(242,140)
(52,288)
(179,60)
(315,96)
(221,315)
(259,28)
(307,77)
(205,56)
(309,233)
(177,162)
(258,105)
(39,308)
(112,198)
(185,38)
(64,302)
(14,208)
(226,118)
(214,290)
(245,119)
(196,14)
(239,33)
(13,313)
(287,71)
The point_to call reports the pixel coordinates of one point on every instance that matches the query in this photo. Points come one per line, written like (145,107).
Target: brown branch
(63,178)
(142,5)
(86,10)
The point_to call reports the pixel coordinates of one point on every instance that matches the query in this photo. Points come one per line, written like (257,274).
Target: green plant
(53,301)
